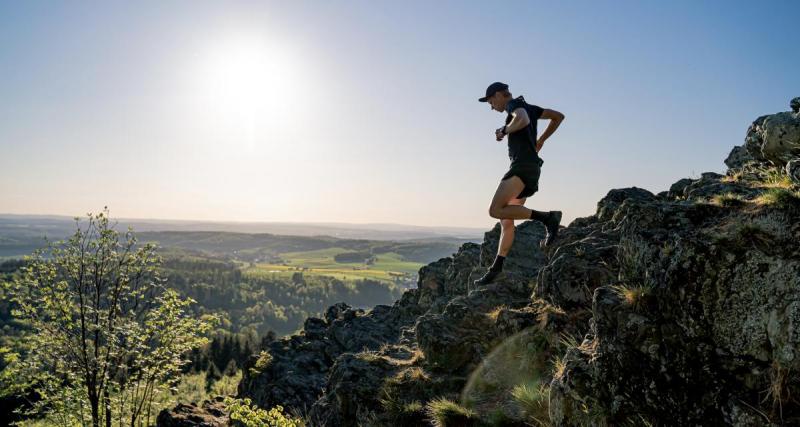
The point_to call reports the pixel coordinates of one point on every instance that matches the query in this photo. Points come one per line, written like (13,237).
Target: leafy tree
(106,336)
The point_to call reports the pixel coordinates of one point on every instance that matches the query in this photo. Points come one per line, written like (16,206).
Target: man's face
(497,102)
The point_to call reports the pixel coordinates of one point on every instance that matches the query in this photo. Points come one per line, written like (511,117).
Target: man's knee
(494,211)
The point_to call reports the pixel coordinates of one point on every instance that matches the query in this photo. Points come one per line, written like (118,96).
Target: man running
(522,178)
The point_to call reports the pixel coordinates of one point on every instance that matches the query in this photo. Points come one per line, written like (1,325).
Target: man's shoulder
(534,111)
(514,104)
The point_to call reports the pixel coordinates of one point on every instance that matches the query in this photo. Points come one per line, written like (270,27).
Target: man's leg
(504,246)
(501,208)
(508,190)
(507,230)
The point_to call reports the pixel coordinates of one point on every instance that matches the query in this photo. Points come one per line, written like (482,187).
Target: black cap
(494,87)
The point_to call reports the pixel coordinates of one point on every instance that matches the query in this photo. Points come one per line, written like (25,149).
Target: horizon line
(256,222)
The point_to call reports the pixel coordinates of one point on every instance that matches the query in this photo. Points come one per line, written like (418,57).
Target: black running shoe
(489,277)
(552,225)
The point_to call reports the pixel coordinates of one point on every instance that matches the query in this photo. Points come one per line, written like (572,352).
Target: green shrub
(252,416)
(264,359)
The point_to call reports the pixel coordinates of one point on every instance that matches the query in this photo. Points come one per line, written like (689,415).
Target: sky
(367,112)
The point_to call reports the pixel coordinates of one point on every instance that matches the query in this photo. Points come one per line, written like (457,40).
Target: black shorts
(529,174)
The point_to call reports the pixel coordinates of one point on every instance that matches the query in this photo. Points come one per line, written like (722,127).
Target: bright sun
(247,83)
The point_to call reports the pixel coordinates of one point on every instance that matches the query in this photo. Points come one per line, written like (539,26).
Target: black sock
(540,216)
(498,263)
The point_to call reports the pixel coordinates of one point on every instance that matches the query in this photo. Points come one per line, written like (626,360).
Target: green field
(386,268)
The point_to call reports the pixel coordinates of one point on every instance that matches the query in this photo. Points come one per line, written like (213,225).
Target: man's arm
(555,118)
(519,119)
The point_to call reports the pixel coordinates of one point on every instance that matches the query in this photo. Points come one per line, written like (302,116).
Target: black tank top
(522,143)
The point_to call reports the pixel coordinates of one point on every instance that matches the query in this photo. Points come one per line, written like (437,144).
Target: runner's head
(497,95)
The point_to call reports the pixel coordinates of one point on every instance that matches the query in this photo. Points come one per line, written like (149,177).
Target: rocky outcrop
(701,325)
(738,157)
(776,137)
(676,308)
(793,170)
(210,413)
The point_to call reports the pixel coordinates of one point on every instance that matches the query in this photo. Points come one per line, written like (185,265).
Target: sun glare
(248,83)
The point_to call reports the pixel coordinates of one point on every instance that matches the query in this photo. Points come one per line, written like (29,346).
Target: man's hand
(519,119)
(555,118)
(499,134)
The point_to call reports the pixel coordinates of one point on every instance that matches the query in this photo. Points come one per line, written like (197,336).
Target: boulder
(211,413)
(775,137)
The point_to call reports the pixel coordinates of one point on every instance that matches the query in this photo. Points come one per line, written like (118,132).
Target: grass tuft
(728,200)
(559,367)
(780,198)
(782,383)
(446,413)
(735,176)
(534,401)
(776,178)
(633,295)
(496,312)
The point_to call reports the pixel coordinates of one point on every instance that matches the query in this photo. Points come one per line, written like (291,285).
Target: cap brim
(484,99)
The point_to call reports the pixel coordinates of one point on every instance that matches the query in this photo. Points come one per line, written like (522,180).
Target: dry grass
(559,367)
(412,374)
(496,312)
(534,401)
(736,176)
(544,313)
(779,197)
(727,200)
(782,379)
(446,413)
(633,295)
(776,178)
(383,353)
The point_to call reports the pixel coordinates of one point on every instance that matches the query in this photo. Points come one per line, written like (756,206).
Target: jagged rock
(775,137)
(608,204)
(211,413)
(577,269)
(353,390)
(525,257)
(715,311)
(793,170)
(457,276)
(456,339)
(299,366)
(676,189)
(738,157)
(711,184)
(431,281)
